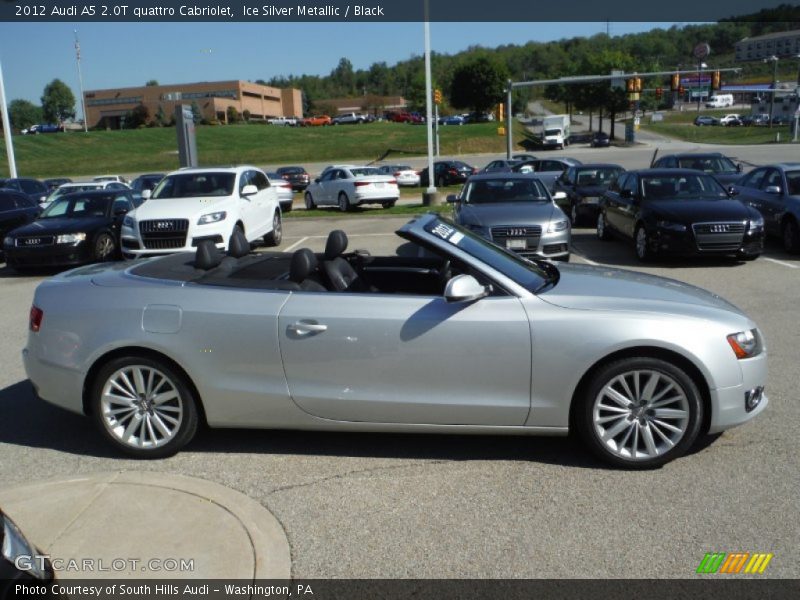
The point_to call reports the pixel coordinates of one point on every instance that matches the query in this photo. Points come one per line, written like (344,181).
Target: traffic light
(437,96)
(637,84)
(659,93)
(715,80)
(500,112)
(630,85)
(675,83)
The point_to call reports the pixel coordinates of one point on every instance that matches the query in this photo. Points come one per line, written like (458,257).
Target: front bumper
(728,404)
(553,246)
(133,244)
(684,243)
(49,256)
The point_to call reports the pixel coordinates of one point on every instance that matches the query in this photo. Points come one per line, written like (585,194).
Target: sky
(129,54)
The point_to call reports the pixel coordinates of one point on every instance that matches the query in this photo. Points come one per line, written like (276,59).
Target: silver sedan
(461,336)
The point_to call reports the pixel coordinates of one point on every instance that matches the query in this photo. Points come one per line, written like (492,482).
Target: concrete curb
(141,516)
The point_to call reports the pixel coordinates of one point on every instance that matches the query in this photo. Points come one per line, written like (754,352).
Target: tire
(131,419)
(639,413)
(790,234)
(602,227)
(642,244)
(389,204)
(274,237)
(441,181)
(105,248)
(344,202)
(309,201)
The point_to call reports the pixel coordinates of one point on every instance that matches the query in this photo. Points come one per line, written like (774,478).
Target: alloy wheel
(141,407)
(641,414)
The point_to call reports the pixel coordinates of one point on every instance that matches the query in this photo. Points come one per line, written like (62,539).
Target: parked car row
(735,120)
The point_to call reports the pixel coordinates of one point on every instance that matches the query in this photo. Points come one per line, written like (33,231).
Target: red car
(317,121)
(406,117)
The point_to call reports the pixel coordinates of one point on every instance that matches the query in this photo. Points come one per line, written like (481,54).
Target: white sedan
(347,186)
(404,174)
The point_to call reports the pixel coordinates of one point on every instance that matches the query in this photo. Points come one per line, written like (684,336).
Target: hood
(59,225)
(179,208)
(587,287)
(508,213)
(698,211)
(727,178)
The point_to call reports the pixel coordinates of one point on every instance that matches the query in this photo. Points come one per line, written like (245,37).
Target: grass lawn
(681,125)
(155,149)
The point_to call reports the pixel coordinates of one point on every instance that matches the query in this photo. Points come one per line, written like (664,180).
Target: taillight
(392,182)
(286,185)
(285,176)
(396,173)
(474,170)
(453,172)
(362,183)
(35,323)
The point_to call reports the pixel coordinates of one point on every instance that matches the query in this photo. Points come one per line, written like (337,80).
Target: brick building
(109,107)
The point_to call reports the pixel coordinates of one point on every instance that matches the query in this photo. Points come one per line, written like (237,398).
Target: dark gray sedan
(515,211)
(774,191)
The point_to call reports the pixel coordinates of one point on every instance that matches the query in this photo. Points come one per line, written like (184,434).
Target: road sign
(701,51)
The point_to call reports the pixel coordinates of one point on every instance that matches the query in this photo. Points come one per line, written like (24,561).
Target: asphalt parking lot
(385,506)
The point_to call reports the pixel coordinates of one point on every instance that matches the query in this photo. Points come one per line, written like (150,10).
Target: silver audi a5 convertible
(454,334)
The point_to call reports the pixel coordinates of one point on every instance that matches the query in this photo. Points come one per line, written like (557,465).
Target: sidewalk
(138,525)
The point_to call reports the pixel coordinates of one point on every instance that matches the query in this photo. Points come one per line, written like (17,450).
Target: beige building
(108,107)
(780,44)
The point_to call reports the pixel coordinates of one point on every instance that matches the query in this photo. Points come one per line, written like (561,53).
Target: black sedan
(447,172)
(774,191)
(16,209)
(76,229)
(679,212)
(583,186)
(720,166)
(296,176)
(27,185)
(600,140)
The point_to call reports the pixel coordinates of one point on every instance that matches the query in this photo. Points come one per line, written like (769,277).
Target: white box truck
(555,131)
(720,101)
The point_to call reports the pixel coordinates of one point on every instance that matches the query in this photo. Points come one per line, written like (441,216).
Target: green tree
(23,114)
(246,114)
(232,114)
(152,83)
(58,102)
(161,117)
(197,116)
(138,117)
(479,83)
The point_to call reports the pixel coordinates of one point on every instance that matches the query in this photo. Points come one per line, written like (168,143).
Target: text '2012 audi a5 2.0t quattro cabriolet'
(453,334)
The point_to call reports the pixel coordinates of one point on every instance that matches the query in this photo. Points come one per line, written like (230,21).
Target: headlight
(129,222)
(19,551)
(70,238)
(8,241)
(671,226)
(214,217)
(556,226)
(745,344)
(756,224)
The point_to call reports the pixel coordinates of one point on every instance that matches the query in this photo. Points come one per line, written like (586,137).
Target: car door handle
(307,327)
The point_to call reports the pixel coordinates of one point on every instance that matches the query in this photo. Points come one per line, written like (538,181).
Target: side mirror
(249,190)
(452,198)
(773,189)
(559,196)
(625,193)
(739,167)
(465,288)
(146,194)
(316,180)
(118,212)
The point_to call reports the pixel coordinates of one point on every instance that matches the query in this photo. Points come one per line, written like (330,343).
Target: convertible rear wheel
(639,413)
(144,407)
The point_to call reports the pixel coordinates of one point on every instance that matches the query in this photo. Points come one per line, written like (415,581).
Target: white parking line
(297,243)
(780,262)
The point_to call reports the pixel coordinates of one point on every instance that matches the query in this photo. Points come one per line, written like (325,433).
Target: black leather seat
(238,245)
(338,271)
(207,256)
(304,271)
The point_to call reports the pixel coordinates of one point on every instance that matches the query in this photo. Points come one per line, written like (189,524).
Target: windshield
(190,185)
(521,270)
(494,191)
(682,187)
(552,132)
(597,177)
(58,192)
(709,164)
(364,171)
(78,206)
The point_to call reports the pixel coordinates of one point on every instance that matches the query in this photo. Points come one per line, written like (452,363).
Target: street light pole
(774,60)
(80,79)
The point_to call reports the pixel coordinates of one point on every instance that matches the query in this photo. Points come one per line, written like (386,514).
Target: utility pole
(12,165)
(431,191)
(80,80)
(774,60)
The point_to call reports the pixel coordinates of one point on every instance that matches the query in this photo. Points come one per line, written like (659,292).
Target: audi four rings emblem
(163,224)
(719,228)
(516,232)
(33,241)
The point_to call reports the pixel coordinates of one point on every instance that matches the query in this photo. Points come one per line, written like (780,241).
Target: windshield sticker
(443,231)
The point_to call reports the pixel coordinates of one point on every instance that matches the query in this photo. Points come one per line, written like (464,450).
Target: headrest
(238,245)
(336,245)
(304,262)
(207,255)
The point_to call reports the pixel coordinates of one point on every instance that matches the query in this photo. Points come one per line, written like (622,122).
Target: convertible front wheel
(144,407)
(639,413)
